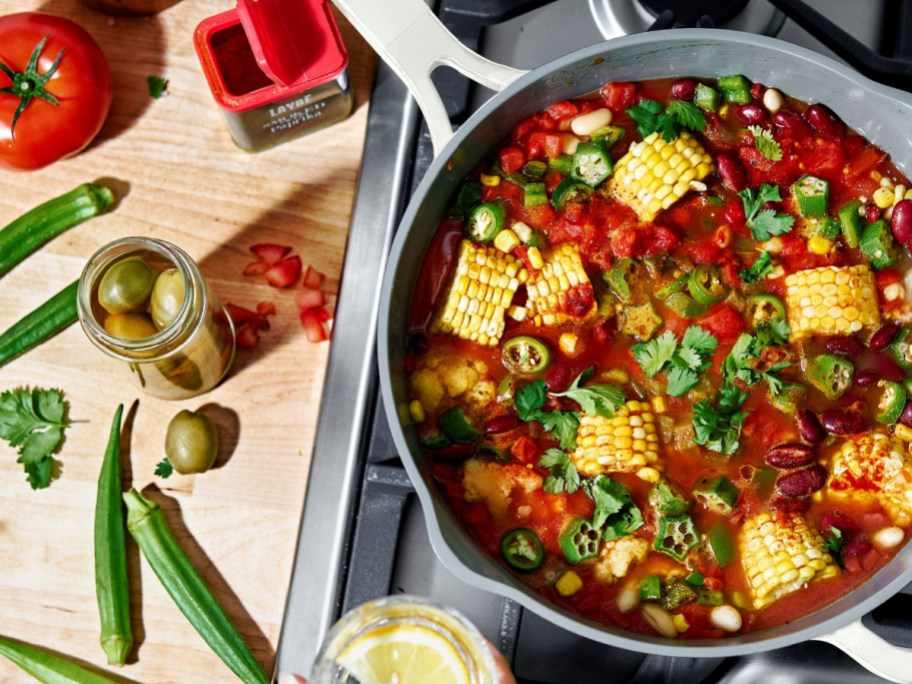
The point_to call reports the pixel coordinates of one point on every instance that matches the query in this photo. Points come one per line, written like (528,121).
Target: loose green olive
(167,297)
(126,286)
(129,326)
(191,442)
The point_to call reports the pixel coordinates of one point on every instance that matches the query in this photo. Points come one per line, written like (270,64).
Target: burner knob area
(689,12)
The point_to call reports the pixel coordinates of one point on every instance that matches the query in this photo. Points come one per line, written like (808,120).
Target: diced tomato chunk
(525,450)
(886,277)
(313,278)
(270,253)
(724,322)
(285,273)
(310,299)
(512,158)
(313,326)
(618,96)
(562,110)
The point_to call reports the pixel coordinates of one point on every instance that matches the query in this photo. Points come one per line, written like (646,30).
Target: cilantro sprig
(765,143)
(615,513)
(743,362)
(764,223)
(34,421)
(564,476)
(163,468)
(650,117)
(684,362)
(833,543)
(717,426)
(762,267)
(595,400)
(158,86)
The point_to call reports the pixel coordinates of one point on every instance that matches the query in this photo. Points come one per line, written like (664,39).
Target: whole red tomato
(49,111)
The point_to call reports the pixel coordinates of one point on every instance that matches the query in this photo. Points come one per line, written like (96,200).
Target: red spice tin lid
(269,49)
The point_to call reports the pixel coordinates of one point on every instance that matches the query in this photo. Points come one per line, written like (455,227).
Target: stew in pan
(659,356)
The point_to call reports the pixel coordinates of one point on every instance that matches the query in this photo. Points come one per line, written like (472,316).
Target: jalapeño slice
(524,355)
(485,222)
(705,285)
(522,549)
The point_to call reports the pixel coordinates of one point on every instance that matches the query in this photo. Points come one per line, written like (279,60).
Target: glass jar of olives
(145,302)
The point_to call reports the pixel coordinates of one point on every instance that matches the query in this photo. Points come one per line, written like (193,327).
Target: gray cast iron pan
(412,41)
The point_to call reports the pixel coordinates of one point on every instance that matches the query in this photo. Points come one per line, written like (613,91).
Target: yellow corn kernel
(625,443)
(680,622)
(567,343)
(898,193)
(568,583)
(648,474)
(559,290)
(617,376)
(535,258)
(659,405)
(904,432)
(517,313)
(416,411)
(831,300)
(819,245)
(506,241)
(523,231)
(780,553)
(883,197)
(492,180)
(654,174)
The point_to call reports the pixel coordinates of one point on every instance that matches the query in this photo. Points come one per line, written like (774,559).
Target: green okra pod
(56,314)
(112,586)
(49,668)
(193,597)
(46,221)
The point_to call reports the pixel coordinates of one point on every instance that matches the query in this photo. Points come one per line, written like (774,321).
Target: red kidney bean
(866,377)
(750,113)
(802,482)
(840,521)
(809,427)
(887,368)
(684,88)
(906,416)
(502,423)
(845,345)
(825,121)
(789,456)
(419,344)
(884,336)
(901,223)
(732,173)
(454,453)
(872,213)
(787,504)
(793,124)
(853,145)
(844,421)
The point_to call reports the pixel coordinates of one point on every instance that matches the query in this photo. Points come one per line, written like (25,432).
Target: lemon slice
(404,654)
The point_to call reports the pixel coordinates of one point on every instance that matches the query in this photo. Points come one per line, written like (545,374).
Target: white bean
(588,123)
(772,100)
(570,143)
(725,617)
(628,598)
(888,538)
(660,620)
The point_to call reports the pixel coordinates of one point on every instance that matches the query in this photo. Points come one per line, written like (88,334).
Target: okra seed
(725,617)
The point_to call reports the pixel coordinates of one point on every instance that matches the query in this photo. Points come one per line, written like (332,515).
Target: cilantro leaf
(681,381)
(762,267)
(700,340)
(529,400)
(564,477)
(767,223)
(595,400)
(622,523)
(562,424)
(614,508)
(34,421)
(718,428)
(164,468)
(644,114)
(688,358)
(687,114)
(833,543)
(772,332)
(157,86)
(765,143)
(736,365)
(653,355)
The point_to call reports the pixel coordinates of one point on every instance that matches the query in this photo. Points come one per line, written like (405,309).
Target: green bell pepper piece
(457,427)
(616,279)
(735,89)
(707,98)
(721,543)
(562,163)
(651,588)
(534,195)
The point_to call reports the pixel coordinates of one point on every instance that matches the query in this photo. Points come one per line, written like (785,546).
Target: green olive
(129,326)
(191,442)
(167,297)
(126,286)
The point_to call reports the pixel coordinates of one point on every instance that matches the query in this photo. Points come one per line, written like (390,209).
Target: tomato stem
(29,83)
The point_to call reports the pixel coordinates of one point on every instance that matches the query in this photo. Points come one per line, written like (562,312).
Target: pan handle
(875,654)
(413,42)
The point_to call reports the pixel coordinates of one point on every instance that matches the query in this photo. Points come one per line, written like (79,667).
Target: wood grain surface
(184,181)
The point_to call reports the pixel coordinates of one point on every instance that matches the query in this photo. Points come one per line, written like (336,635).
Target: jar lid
(266,50)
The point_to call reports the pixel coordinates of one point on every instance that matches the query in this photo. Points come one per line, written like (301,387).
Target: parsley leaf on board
(595,400)
(718,428)
(765,143)
(762,267)
(564,477)
(649,118)
(684,362)
(164,468)
(766,223)
(158,86)
(34,421)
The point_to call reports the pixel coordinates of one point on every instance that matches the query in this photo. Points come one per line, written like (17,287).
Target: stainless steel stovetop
(362,533)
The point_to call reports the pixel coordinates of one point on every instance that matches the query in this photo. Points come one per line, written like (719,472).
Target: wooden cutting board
(187,184)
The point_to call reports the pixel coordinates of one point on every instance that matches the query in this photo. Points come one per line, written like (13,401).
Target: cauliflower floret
(493,483)
(443,372)
(618,556)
